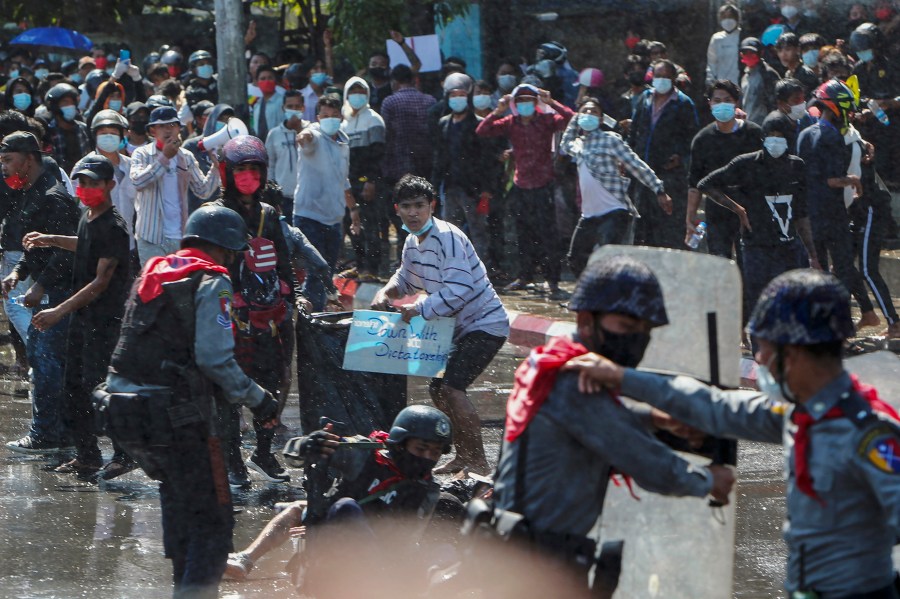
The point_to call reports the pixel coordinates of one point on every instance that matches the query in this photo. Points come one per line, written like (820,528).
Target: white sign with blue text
(382,342)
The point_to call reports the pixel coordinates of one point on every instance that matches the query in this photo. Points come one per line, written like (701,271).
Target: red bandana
(174,267)
(804,420)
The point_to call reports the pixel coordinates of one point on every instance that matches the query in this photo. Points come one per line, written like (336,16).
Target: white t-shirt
(171,203)
(595,199)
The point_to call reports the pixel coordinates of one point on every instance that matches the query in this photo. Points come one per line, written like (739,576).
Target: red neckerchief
(174,267)
(383,460)
(804,420)
(534,381)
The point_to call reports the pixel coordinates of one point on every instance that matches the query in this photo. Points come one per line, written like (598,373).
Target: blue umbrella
(53,37)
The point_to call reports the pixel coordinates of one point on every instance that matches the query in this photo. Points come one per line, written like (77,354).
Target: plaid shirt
(603,152)
(407,147)
(58,139)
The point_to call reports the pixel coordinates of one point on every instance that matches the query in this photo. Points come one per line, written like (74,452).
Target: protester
(791,111)
(439,259)
(722,55)
(108,131)
(70,137)
(268,109)
(757,82)
(281,146)
(788,49)
(216,118)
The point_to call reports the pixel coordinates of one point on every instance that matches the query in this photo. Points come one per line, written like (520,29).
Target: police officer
(176,338)
(201,81)
(560,444)
(840,441)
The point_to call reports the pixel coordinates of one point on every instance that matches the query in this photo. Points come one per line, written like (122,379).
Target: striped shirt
(445,266)
(148,167)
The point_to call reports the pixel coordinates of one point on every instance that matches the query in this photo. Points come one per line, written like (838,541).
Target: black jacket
(469,165)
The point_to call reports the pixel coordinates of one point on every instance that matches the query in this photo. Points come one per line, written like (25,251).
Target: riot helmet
(866,37)
(623,285)
(217,225)
(421,422)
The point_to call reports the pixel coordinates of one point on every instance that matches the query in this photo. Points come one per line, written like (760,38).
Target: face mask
(865,55)
(14,73)
(379,73)
(69,112)
(319,79)
(525,109)
(330,125)
(811,58)
(728,25)
(173,72)
(625,349)
(662,85)
(789,12)
(776,146)
(41,73)
(357,101)
(481,102)
(506,82)
(589,122)
(21,101)
(421,231)
(140,127)
(750,60)
(458,104)
(266,86)
(90,196)
(884,14)
(76,78)
(16,181)
(288,115)
(108,142)
(723,111)
(636,78)
(247,182)
(100,62)
(219,125)
(631,42)
(798,111)
(412,466)
(766,383)
(205,71)
(115,105)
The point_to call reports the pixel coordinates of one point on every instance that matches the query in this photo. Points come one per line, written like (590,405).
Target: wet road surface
(62,538)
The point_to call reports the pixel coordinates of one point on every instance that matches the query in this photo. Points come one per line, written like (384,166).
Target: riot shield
(880,369)
(682,547)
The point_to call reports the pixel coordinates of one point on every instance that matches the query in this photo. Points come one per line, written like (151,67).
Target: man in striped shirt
(440,263)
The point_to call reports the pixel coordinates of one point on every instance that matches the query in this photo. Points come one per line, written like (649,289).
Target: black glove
(266,410)
(312,443)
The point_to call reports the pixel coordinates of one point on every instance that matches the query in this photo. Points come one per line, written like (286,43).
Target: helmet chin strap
(782,383)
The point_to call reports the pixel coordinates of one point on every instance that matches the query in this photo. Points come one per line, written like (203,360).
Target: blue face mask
(21,101)
(14,73)
(205,71)
(525,109)
(330,125)
(421,231)
(289,114)
(69,112)
(811,58)
(775,146)
(458,104)
(219,125)
(506,82)
(481,101)
(41,73)
(319,78)
(865,55)
(115,105)
(357,101)
(723,111)
(108,142)
(589,122)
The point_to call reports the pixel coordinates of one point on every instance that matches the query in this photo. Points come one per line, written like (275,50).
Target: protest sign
(426,47)
(382,342)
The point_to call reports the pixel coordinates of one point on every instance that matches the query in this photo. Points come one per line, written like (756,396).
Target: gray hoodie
(322,177)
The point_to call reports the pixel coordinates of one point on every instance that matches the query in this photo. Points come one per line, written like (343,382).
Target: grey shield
(681,547)
(880,369)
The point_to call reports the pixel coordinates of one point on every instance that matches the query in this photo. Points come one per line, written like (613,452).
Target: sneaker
(29,444)
(238,566)
(557,294)
(519,285)
(239,480)
(268,467)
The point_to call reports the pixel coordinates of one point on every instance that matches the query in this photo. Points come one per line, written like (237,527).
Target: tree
(88,15)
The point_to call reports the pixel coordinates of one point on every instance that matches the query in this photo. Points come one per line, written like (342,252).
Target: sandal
(76,467)
(117,468)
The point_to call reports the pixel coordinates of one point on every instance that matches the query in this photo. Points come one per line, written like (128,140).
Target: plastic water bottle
(17,301)
(697,237)
(879,113)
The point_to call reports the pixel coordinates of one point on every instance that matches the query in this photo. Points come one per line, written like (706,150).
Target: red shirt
(532,144)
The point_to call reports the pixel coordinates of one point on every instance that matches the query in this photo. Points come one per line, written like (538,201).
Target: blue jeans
(18,315)
(327,239)
(47,355)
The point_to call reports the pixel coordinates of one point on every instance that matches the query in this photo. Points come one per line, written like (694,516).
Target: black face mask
(412,466)
(138,127)
(636,78)
(625,349)
(378,72)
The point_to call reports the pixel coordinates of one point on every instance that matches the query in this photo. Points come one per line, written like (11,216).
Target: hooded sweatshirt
(8,95)
(366,132)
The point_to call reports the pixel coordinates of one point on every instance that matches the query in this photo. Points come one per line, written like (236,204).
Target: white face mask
(662,85)
(766,383)
(776,146)
(798,111)
(728,25)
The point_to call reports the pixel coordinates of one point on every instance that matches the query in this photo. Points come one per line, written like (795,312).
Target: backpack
(261,306)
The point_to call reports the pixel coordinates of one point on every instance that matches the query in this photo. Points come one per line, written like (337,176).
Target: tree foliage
(88,15)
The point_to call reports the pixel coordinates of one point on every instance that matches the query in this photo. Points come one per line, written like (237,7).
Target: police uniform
(842,523)
(169,347)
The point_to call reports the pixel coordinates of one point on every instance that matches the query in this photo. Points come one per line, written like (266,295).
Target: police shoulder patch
(880,446)
(224,316)
(779,408)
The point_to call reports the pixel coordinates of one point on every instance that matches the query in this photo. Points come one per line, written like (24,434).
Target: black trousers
(536,232)
(609,228)
(869,241)
(832,238)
